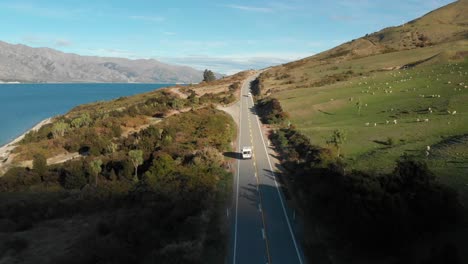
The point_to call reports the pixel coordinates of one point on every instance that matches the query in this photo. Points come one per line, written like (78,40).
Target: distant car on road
(249,94)
(247,152)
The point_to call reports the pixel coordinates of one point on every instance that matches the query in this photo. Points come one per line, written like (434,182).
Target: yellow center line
(261,202)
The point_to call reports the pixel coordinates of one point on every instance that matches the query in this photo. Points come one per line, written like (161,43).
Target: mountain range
(20,63)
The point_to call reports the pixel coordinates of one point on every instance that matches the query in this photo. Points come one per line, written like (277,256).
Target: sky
(224,36)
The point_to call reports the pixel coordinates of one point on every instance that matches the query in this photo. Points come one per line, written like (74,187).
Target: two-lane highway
(262,231)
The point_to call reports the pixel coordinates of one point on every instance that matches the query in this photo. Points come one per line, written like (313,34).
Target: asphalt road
(263,228)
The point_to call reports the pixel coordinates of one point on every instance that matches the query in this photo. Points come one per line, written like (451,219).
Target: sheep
(454,112)
(395,121)
(418,120)
(375,124)
(387,122)
(428,148)
(426,120)
(367,124)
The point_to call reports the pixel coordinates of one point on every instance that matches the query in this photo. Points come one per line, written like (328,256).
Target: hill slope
(398,92)
(446,24)
(397,73)
(26,64)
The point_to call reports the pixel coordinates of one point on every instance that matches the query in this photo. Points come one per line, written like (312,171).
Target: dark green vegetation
(149,186)
(208,76)
(373,137)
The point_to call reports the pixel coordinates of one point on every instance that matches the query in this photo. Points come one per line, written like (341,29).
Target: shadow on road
(250,193)
(233,155)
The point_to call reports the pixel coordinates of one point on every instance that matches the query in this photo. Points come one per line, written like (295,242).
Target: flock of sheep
(388,90)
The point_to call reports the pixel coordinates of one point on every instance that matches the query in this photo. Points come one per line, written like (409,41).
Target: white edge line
(277,189)
(237,185)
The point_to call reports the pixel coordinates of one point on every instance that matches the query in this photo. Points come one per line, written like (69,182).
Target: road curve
(262,229)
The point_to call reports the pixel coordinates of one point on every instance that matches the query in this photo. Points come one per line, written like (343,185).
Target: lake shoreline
(6,149)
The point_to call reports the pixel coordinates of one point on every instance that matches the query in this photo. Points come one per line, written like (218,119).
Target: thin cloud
(148,18)
(63,43)
(45,11)
(234,63)
(252,8)
(343,18)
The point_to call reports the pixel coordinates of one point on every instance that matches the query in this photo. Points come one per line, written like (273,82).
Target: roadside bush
(271,111)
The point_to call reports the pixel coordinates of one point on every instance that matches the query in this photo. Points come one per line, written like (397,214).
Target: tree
(83,120)
(136,156)
(59,129)
(337,139)
(208,76)
(40,164)
(95,167)
(162,166)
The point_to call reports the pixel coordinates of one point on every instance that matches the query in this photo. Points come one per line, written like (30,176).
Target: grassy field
(426,93)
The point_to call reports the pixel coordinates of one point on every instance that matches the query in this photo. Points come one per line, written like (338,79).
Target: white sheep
(428,148)
(426,120)
(387,122)
(454,112)
(395,121)
(375,124)
(418,120)
(367,124)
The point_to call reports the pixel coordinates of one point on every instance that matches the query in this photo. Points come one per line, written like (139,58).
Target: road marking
(267,245)
(278,191)
(237,188)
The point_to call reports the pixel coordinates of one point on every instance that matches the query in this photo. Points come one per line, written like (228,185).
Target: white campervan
(247,152)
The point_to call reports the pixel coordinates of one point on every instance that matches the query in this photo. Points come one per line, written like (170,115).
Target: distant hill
(439,36)
(25,64)
(443,25)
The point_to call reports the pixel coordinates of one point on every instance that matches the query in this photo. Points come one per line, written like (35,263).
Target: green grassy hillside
(402,91)
(392,81)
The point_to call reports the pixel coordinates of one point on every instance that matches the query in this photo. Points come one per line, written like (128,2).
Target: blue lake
(24,105)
